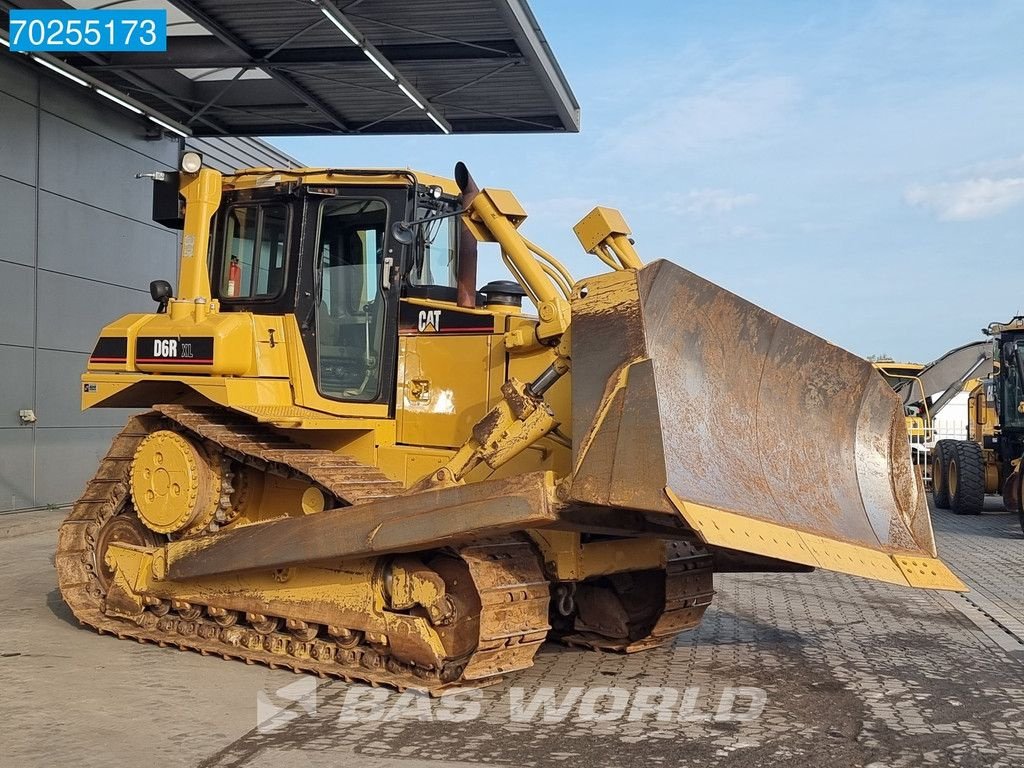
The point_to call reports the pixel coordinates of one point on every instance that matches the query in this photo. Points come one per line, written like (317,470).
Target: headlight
(191,162)
(435,192)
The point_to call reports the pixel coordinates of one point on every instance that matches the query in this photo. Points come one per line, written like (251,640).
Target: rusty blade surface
(678,383)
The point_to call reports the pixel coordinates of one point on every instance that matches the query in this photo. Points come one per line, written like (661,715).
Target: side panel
(443,387)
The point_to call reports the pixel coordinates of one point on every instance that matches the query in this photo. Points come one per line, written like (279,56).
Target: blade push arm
(494,215)
(523,416)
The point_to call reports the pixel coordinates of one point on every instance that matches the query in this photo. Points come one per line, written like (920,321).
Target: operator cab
(328,255)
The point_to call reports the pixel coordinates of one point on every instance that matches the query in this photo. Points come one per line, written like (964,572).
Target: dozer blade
(765,438)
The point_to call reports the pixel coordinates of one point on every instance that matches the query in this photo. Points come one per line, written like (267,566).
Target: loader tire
(940,472)
(1020,504)
(966,478)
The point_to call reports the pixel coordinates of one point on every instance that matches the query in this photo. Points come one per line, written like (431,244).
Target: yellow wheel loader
(354,461)
(925,391)
(988,461)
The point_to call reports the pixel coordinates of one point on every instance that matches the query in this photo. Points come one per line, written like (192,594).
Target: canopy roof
(307,67)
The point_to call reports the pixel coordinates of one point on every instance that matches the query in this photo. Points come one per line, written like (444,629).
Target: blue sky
(855,167)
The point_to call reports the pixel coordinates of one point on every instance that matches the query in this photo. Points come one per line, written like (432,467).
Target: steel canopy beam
(238,46)
(532,42)
(206,52)
(387,68)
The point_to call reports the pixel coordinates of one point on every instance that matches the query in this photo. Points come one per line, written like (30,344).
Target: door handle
(419,389)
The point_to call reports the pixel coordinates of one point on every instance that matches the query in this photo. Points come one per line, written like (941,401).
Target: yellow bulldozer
(988,461)
(354,461)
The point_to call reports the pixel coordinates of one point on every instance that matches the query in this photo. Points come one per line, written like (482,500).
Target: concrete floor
(821,668)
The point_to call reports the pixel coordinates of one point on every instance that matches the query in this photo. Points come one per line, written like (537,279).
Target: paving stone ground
(787,669)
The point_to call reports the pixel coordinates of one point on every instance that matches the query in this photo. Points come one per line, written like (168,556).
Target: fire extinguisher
(234,277)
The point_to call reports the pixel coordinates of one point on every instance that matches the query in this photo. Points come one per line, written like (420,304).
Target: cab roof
(255,178)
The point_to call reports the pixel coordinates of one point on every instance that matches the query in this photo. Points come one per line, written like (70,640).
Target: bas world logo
(275,709)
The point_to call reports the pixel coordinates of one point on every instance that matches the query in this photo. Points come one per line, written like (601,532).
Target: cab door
(348,296)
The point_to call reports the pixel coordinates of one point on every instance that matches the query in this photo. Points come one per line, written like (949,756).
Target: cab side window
(434,259)
(254,264)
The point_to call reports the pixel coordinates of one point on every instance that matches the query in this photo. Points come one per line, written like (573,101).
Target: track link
(340,477)
(513,591)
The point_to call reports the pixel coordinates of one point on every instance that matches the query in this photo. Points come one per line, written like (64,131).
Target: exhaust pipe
(466,277)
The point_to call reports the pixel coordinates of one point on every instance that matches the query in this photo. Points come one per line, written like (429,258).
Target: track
(645,609)
(506,574)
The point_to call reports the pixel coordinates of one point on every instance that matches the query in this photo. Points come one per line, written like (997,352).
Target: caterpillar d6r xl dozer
(354,462)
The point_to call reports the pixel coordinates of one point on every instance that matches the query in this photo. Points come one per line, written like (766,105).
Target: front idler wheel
(119,529)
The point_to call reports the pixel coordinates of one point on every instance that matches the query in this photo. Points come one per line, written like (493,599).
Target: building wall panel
(65,459)
(17,220)
(77,250)
(84,241)
(18,140)
(58,392)
(17,380)
(94,304)
(17,302)
(17,447)
(79,164)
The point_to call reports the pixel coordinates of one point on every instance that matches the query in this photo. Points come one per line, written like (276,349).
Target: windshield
(1010,383)
(434,259)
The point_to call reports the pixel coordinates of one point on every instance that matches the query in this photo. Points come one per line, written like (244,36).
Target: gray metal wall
(77,250)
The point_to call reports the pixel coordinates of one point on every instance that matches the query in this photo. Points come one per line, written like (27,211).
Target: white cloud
(709,201)
(968,199)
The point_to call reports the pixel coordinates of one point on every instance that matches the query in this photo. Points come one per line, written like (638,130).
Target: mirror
(404,232)
(162,293)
